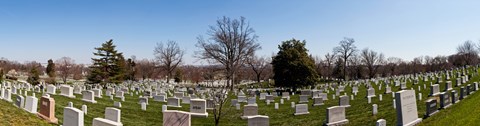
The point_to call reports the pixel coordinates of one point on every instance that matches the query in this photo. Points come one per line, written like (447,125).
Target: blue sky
(40,30)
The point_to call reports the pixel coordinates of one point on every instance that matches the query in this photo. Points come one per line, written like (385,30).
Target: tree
(170,56)
(34,76)
(65,65)
(178,76)
(50,72)
(51,68)
(345,50)
(107,68)
(130,69)
(329,60)
(372,60)
(292,66)
(145,69)
(231,42)
(468,52)
(258,65)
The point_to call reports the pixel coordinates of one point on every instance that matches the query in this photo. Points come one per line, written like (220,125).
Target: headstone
(303,99)
(406,108)
(462,93)
(143,106)
(19,102)
(210,104)
(164,108)
(176,118)
(67,91)
(47,109)
(198,108)
(51,89)
(317,101)
(159,98)
(301,109)
(72,117)
(242,99)
(252,101)
(375,109)
(336,116)
(113,114)
(85,109)
(143,100)
(173,102)
(445,101)
(249,110)
(258,120)
(434,90)
(97,93)
(431,106)
(388,90)
(371,92)
(448,86)
(119,94)
(344,101)
(88,96)
(117,104)
(31,104)
(381,122)
(454,97)
(276,106)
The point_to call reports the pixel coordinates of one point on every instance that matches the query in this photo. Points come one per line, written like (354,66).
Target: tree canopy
(292,65)
(109,66)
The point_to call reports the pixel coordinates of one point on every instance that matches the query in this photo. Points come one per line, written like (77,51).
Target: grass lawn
(359,114)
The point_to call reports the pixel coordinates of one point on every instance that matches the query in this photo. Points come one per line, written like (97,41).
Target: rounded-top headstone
(70,104)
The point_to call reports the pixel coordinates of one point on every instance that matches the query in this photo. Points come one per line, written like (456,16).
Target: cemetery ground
(360,112)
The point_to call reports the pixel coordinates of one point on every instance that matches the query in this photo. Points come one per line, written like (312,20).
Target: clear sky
(39,30)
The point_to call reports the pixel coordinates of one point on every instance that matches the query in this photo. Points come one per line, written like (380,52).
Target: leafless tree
(372,60)
(468,52)
(258,65)
(169,56)
(329,60)
(145,68)
(65,65)
(219,97)
(231,42)
(345,50)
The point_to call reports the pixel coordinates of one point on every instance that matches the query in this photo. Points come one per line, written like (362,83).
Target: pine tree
(293,67)
(178,76)
(109,65)
(51,68)
(34,76)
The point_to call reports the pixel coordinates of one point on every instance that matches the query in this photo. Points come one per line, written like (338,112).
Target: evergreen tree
(34,76)
(130,70)
(178,76)
(51,68)
(293,67)
(109,65)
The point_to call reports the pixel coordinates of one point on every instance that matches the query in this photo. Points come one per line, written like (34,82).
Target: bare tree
(468,52)
(170,56)
(65,65)
(231,42)
(258,65)
(345,50)
(372,60)
(329,60)
(220,97)
(145,69)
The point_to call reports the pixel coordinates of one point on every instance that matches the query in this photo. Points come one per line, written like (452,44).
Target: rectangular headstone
(336,116)
(406,106)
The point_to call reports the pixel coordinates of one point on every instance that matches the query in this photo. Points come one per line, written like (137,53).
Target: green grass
(359,114)
(10,115)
